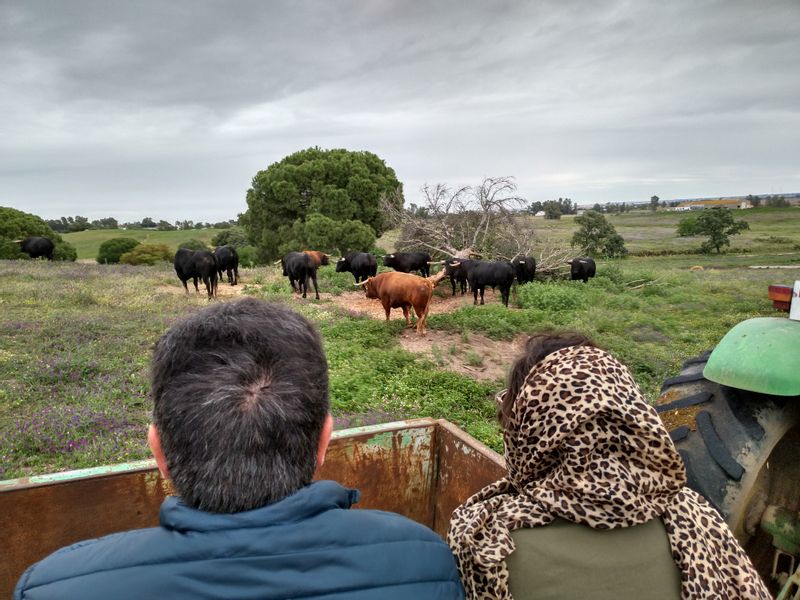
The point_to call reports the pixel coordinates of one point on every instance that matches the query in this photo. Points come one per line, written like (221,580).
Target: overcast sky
(168,108)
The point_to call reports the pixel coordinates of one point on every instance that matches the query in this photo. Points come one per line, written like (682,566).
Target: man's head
(240,393)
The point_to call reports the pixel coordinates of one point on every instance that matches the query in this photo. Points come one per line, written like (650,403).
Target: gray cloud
(169,108)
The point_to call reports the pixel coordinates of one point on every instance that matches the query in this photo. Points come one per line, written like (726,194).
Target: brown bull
(319,258)
(403,290)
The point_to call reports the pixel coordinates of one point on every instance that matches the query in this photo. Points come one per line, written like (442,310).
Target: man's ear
(154,441)
(324,440)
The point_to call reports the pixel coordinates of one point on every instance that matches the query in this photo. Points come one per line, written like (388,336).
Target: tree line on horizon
(79,223)
(339,201)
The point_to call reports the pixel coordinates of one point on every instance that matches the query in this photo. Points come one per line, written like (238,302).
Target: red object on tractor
(781,296)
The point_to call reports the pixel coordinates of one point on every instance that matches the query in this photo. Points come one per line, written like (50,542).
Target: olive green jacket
(565,560)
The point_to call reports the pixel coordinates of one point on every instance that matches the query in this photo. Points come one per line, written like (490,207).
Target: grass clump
(493,320)
(334,283)
(551,297)
(438,357)
(473,358)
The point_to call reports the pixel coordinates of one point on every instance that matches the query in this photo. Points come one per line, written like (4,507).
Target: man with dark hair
(240,422)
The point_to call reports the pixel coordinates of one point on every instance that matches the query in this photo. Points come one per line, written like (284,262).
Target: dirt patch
(477,356)
(679,417)
(357,303)
(645,333)
(222,290)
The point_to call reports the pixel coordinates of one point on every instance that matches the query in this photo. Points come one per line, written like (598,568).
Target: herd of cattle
(402,289)
(395,289)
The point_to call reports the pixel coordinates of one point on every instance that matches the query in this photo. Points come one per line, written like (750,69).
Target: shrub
(193,244)
(147,254)
(248,256)
(64,251)
(235,236)
(553,297)
(15,225)
(111,250)
(10,250)
(611,272)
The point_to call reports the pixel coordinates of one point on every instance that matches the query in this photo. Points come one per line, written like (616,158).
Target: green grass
(75,341)
(652,313)
(87,243)
(772,230)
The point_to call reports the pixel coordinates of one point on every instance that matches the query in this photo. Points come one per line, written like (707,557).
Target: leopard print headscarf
(584,445)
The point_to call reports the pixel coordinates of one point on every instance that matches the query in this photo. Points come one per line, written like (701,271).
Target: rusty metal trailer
(421,468)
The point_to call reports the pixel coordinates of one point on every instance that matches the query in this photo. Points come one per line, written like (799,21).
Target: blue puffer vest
(308,545)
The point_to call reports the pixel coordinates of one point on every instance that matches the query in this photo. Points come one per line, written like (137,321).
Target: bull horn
(521,262)
(17,242)
(277,262)
(456,263)
(365,282)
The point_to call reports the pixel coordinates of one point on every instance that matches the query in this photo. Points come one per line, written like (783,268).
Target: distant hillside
(88,242)
(793,198)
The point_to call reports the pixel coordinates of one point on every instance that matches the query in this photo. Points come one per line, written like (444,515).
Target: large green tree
(717,224)
(552,210)
(597,236)
(340,189)
(17,225)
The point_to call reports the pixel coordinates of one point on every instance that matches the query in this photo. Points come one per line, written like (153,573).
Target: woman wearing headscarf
(594,503)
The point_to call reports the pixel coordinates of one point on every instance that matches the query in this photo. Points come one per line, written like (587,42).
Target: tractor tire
(726,437)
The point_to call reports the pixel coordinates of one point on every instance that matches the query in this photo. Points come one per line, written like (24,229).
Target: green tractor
(734,416)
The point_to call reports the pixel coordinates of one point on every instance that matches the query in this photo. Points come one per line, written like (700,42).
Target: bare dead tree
(467,221)
(552,255)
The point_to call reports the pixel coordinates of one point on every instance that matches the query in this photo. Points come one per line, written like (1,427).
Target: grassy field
(771,230)
(75,341)
(88,242)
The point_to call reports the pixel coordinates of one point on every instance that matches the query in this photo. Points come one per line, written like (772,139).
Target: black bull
(299,267)
(581,268)
(37,246)
(361,264)
(405,262)
(200,264)
(227,260)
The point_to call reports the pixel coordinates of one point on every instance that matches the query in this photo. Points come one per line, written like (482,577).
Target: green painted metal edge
(139,465)
(759,355)
(381,428)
